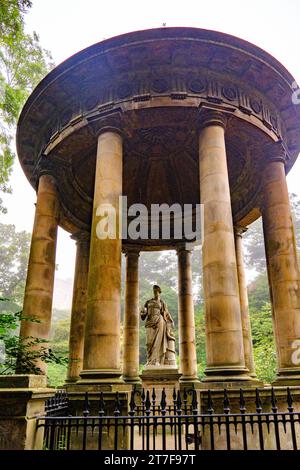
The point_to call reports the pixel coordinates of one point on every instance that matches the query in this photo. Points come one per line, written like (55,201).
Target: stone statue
(159,331)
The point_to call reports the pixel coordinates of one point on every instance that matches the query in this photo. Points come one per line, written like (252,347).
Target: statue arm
(144,311)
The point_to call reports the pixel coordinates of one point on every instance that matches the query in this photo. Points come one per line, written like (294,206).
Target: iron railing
(58,404)
(150,424)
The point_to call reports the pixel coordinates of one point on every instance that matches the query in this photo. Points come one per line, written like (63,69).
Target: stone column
(246,326)
(41,266)
(186,320)
(79,304)
(283,268)
(131,318)
(224,338)
(102,334)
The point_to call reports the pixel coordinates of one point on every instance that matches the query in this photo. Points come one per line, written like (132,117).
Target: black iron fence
(151,424)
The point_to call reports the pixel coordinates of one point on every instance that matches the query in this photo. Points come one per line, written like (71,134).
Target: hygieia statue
(159,331)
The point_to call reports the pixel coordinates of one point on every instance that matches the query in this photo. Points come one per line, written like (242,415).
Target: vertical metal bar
(148,412)
(291,417)
(116,424)
(275,417)
(132,408)
(243,422)
(211,420)
(227,422)
(259,420)
(163,405)
(195,421)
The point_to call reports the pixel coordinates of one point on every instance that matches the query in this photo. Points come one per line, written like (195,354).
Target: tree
(22,353)
(23,63)
(14,252)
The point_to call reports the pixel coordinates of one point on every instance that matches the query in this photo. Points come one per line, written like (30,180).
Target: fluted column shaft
(186,318)
(224,339)
(131,318)
(102,334)
(79,306)
(246,326)
(41,266)
(283,269)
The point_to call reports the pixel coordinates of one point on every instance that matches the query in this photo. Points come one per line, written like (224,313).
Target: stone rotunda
(169,115)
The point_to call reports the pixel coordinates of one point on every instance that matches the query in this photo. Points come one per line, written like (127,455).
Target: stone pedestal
(159,378)
(76,395)
(22,399)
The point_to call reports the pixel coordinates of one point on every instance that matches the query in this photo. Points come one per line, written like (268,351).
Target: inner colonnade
(94,351)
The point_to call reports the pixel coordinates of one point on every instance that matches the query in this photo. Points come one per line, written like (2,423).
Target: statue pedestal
(161,377)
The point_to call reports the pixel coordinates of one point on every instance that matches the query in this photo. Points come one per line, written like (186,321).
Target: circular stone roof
(155,84)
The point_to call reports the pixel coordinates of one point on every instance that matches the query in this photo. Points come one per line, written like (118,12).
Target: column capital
(239,230)
(275,152)
(114,129)
(81,237)
(131,251)
(181,248)
(213,117)
(44,166)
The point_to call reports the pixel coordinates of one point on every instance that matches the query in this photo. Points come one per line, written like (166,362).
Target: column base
(287,377)
(105,376)
(132,380)
(188,381)
(227,374)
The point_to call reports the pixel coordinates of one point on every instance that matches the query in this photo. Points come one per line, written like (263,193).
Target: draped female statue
(159,331)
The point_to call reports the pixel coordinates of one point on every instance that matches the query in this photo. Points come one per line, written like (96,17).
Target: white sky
(67,26)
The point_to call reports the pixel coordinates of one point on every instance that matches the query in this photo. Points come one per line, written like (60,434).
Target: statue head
(156,290)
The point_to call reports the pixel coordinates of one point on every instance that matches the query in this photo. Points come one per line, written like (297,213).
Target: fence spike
(210,405)
(185,395)
(242,401)
(194,401)
(143,396)
(290,400)
(226,402)
(258,403)
(163,401)
(101,404)
(174,394)
(117,404)
(153,396)
(178,402)
(273,401)
(148,402)
(132,402)
(86,405)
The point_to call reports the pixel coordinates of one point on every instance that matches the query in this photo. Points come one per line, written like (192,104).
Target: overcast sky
(67,26)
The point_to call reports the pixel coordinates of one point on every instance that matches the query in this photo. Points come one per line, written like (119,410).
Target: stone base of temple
(22,399)
(287,377)
(77,394)
(228,383)
(250,405)
(103,376)
(159,378)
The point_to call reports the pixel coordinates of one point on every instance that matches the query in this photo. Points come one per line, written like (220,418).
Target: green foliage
(22,353)
(56,374)
(14,252)
(263,342)
(23,63)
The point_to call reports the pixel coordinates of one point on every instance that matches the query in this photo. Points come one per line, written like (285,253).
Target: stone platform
(159,378)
